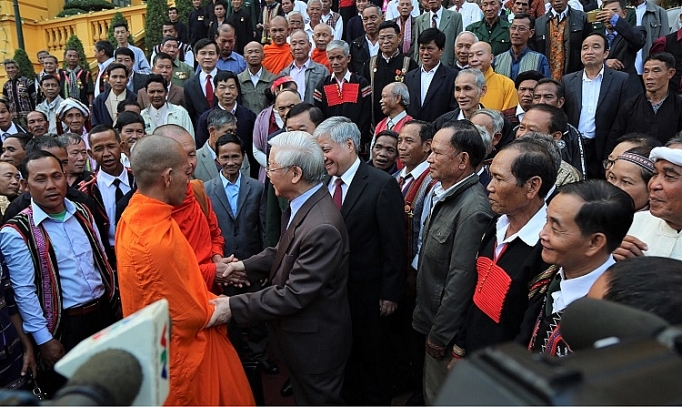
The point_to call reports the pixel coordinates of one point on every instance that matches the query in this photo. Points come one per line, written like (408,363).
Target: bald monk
(155,261)
(277,54)
(195,216)
(322,35)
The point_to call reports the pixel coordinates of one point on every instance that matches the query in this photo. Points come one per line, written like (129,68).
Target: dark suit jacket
(377,242)
(139,81)
(244,231)
(578,28)
(359,55)
(450,24)
(100,114)
(624,48)
(353,29)
(612,94)
(245,122)
(176,96)
(440,98)
(306,303)
(195,101)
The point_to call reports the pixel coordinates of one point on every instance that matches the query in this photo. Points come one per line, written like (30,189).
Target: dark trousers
(319,389)
(256,334)
(347,13)
(595,169)
(366,377)
(73,330)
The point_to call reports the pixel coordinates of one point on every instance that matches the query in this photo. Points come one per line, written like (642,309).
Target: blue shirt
(234,63)
(232,191)
(298,202)
(141,64)
(80,281)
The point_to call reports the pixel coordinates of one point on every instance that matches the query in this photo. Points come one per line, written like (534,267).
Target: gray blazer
(313,75)
(450,23)
(206,168)
(244,231)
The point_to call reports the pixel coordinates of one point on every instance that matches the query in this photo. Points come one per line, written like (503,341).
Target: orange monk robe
(276,57)
(202,233)
(321,58)
(155,261)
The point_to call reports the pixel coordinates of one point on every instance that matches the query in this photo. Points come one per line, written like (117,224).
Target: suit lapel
(605,84)
(445,20)
(288,236)
(244,189)
(355,189)
(222,196)
(435,83)
(578,86)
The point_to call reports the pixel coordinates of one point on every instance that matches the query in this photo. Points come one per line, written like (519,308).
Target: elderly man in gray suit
(448,21)
(305,302)
(219,122)
(305,72)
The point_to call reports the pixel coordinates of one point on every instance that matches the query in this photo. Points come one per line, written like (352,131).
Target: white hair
(299,149)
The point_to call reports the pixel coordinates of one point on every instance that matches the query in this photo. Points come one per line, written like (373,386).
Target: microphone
(102,363)
(586,321)
(109,378)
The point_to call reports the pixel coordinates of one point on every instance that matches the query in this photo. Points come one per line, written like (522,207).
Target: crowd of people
(365,192)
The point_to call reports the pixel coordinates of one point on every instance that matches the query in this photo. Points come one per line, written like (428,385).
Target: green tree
(75,42)
(24,63)
(184,8)
(110,33)
(157,13)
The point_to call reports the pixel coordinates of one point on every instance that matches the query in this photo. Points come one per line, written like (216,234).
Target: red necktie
(338,193)
(209,91)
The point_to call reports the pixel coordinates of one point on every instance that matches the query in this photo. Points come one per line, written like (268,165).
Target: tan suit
(176,96)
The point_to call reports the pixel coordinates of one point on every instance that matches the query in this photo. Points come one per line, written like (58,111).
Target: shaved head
(151,157)
(279,20)
(183,137)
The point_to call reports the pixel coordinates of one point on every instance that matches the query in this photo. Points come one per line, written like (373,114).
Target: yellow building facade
(43,31)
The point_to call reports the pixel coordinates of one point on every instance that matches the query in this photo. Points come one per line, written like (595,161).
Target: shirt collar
(395,54)
(227,182)
(519,110)
(296,203)
(575,288)
(305,65)
(529,233)
(435,68)
(563,14)
(105,64)
(39,215)
(348,176)
(202,74)
(258,74)
(108,179)
(416,171)
(397,117)
(599,76)
(346,77)
(438,13)
(12,129)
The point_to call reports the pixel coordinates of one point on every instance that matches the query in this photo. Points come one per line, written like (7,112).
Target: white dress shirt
(575,288)
(392,10)
(202,80)
(590,87)
(298,75)
(347,178)
(426,78)
(105,183)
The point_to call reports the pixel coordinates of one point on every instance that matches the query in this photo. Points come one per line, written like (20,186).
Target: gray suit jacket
(306,303)
(206,168)
(313,75)
(450,23)
(244,231)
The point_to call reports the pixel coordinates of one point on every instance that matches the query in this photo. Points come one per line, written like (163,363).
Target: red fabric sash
(337,96)
(492,286)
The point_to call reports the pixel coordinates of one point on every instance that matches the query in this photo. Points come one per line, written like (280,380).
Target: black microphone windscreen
(588,320)
(113,370)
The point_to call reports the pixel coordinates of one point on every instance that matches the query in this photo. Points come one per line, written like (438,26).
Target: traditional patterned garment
(276,57)
(20,93)
(546,337)
(45,264)
(11,356)
(155,261)
(506,65)
(321,58)
(267,13)
(510,286)
(77,84)
(201,230)
(557,52)
(352,100)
